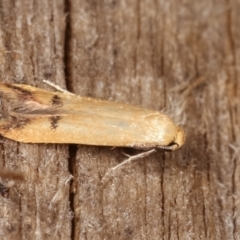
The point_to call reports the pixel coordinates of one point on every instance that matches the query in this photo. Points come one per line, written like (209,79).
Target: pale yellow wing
(39,116)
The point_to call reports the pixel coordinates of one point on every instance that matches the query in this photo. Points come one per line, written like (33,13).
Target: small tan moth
(39,116)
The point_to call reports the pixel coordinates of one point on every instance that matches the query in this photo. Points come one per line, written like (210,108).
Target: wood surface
(180,57)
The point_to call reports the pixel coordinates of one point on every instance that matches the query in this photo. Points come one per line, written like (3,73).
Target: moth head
(179,140)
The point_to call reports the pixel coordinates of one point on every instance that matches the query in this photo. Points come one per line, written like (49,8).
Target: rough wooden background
(178,56)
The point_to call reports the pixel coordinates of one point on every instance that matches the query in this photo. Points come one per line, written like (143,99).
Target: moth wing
(40,116)
(89,130)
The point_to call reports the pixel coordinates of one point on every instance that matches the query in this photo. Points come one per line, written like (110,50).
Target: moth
(35,115)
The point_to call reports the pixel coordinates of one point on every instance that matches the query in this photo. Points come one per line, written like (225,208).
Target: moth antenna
(58,88)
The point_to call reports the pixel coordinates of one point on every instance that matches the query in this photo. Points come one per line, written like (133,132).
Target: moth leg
(58,88)
(128,160)
(135,157)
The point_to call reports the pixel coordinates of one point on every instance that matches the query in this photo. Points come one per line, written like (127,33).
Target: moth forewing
(40,116)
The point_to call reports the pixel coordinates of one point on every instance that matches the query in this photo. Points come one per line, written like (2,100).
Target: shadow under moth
(35,115)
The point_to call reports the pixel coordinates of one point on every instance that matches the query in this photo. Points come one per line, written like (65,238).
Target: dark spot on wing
(15,123)
(56,101)
(19,89)
(54,121)
(21,123)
